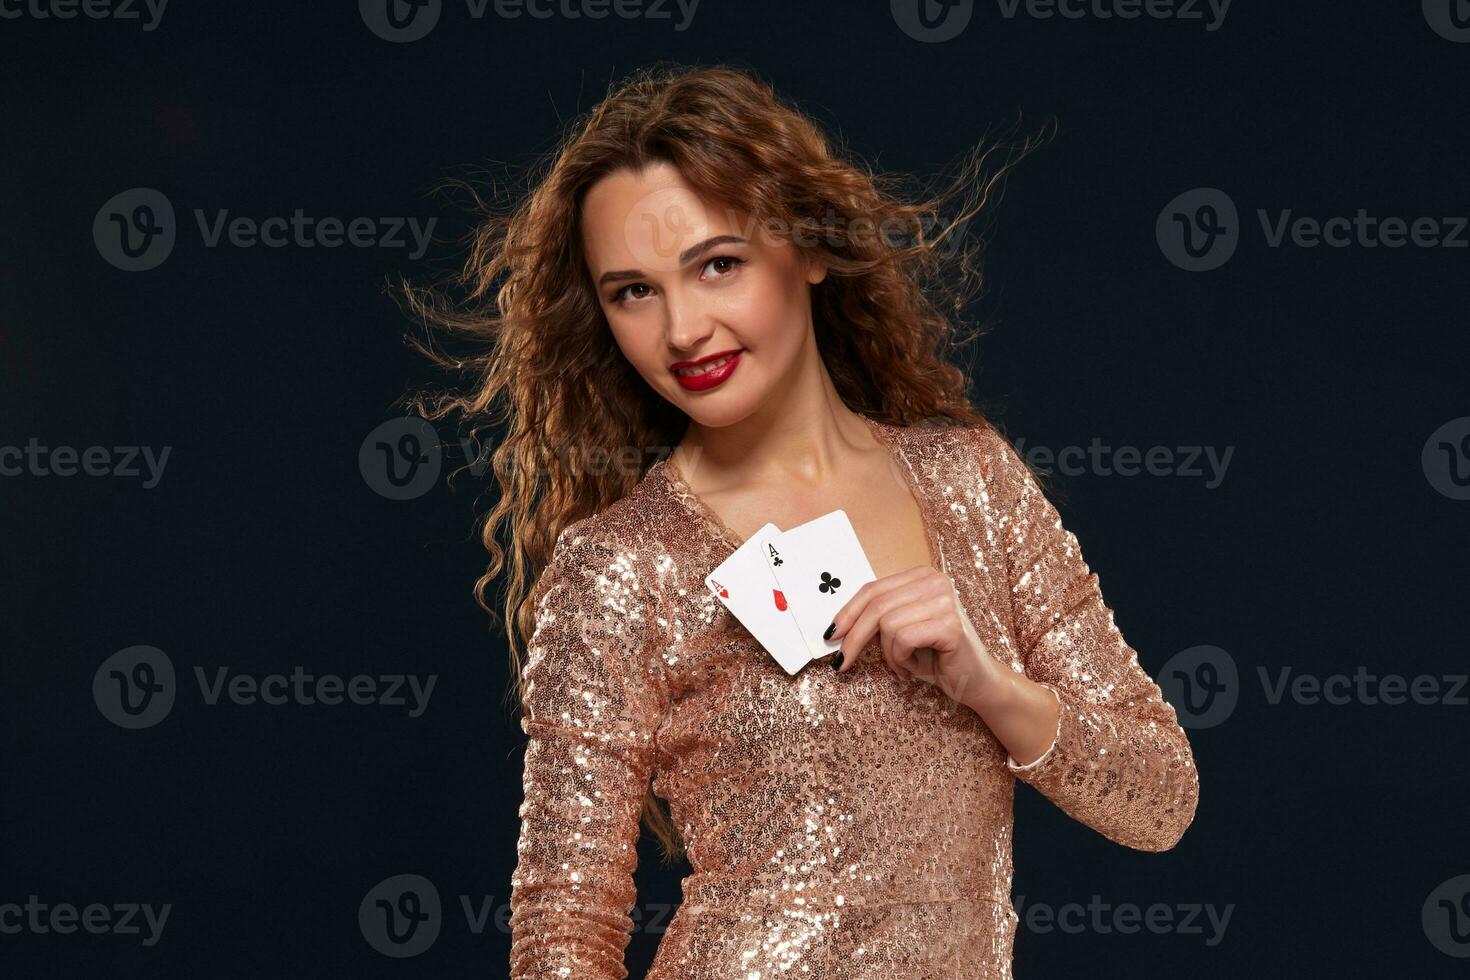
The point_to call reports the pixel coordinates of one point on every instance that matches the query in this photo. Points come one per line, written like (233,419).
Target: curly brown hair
(547,364)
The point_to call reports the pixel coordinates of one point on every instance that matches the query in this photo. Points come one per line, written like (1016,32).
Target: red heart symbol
(780,600)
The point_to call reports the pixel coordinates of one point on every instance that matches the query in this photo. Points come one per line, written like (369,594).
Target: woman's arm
(1118,760)
(594,698)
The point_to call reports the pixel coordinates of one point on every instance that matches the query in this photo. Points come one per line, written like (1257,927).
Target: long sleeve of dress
(594,697)
(1120,762)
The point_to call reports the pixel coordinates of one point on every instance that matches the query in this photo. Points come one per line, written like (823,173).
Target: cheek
(770,311)
(642,347)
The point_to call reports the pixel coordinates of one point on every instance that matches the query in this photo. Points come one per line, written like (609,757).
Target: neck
(799,441)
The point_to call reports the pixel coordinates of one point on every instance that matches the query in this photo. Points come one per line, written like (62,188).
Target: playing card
(818,565)
(744,583)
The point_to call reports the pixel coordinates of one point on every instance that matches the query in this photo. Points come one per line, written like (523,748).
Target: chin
(716,412)
(718,409)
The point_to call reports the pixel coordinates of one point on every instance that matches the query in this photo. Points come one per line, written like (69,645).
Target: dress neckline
(885,433)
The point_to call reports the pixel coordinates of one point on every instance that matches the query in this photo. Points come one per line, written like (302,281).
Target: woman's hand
(925,634)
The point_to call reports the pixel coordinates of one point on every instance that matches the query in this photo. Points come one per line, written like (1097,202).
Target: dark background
(1325,828)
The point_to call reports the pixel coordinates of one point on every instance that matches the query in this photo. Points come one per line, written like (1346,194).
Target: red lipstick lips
(707,378)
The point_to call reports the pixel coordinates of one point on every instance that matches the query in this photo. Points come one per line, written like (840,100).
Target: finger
(920,628)
(854,606)
(862,631)
(869,621)
(841,628)
(894,626)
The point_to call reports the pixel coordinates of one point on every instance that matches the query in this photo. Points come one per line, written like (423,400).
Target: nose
(687,323)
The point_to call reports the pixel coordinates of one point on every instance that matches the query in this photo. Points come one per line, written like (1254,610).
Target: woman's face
(680,279)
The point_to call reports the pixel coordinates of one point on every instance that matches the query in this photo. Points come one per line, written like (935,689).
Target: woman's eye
(621,294)
(727,264)
(732,260)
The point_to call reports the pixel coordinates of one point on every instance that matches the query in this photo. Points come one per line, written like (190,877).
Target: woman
(697,269)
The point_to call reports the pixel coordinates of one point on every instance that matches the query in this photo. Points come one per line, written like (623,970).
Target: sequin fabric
(837,825)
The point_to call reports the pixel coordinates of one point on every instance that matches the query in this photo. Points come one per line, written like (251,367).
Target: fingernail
(837,661)
(828,635)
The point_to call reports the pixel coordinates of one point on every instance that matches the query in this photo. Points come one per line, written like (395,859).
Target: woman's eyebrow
(684,257)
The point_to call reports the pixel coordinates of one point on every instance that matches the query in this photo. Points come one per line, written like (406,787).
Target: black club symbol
(829,584)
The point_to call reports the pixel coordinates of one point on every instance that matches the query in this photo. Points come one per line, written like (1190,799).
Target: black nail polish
(837,661)
(828,635)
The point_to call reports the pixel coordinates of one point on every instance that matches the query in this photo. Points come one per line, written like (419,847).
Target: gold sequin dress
(839,826)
